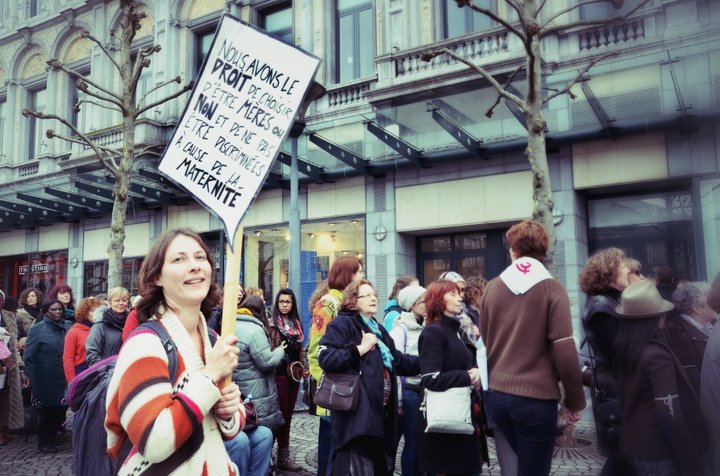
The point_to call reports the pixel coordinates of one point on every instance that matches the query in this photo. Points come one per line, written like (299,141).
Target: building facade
(398,162)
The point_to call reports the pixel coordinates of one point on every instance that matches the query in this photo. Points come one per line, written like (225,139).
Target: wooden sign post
(233,258)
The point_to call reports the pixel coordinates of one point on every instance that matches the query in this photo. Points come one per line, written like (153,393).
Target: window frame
(355,12)
(262,15)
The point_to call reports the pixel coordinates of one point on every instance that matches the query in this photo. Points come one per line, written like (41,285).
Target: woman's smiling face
(186,274)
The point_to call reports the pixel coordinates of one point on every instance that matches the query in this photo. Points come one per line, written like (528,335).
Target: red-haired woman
(344,270)
(448,360)
(527,328)
(74,349)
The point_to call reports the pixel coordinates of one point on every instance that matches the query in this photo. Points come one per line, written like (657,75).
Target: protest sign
(241,110)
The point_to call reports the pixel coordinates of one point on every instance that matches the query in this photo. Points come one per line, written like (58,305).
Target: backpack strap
(168,344)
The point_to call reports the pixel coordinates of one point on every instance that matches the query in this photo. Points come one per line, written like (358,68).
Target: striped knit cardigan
(172,427)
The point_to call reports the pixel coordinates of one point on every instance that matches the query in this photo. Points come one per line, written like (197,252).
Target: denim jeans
(654,467)
(409,424)
(529,425)
(251,451)
(324,444)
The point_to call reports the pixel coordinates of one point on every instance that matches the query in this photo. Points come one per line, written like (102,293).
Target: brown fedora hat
(641,300)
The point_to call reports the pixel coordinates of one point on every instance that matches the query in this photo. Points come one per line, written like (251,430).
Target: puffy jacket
(255,373)
(105,338)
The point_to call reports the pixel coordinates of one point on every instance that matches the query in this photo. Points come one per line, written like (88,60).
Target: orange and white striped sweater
(172,426)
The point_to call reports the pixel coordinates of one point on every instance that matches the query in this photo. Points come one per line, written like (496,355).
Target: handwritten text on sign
(238,115)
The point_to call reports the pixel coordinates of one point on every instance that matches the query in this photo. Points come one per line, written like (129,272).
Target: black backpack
(86,396)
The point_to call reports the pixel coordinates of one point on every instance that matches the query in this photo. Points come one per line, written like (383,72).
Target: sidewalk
(22,459)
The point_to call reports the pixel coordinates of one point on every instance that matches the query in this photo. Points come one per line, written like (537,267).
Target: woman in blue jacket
(44,367)
(363,441)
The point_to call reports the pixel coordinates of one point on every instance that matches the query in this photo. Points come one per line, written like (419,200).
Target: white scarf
(523,274)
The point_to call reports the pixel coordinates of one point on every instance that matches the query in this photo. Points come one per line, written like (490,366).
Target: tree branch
(578,77)
(104,106)
(489,112)
(514,5)
(86,34)
(111,166)
(547,30)
(96,95)
(149,151)
(56,64)
(494,16)
(176,79)
(507,95)
(142,63)
(564,11)
(540,7)
(179,93)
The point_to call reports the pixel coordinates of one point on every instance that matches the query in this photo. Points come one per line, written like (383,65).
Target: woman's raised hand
(222,359)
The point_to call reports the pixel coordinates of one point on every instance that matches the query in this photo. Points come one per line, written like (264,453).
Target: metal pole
(294,222)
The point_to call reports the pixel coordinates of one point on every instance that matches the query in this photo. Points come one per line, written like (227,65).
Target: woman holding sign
(145,403)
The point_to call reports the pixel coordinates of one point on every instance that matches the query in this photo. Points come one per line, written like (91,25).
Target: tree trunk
(536,153)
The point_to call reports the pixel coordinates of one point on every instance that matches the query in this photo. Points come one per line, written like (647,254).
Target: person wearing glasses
(286,328)
(363,440)
(325,304)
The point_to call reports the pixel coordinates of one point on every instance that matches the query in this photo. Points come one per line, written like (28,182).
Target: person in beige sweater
(527,328)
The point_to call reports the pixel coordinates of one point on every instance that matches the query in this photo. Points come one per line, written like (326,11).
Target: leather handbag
(338,392)
(448,411)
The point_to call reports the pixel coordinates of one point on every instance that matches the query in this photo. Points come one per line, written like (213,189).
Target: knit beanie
(409,295)
(452,276)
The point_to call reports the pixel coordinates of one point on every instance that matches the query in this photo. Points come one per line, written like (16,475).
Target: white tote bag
(448,411)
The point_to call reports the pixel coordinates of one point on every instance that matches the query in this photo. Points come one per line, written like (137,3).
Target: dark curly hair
(152,294)
(601,271)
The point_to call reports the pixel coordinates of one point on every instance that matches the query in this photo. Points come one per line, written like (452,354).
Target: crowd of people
(508,343)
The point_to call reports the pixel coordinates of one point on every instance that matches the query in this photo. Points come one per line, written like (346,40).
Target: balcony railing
(482,45)
(344,95)
(608,36)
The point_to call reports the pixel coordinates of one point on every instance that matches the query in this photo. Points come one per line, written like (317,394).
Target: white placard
(239,113)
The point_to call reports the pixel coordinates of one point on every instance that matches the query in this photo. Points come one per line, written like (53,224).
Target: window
(96,273)
(77,118)
(279,22)
(599,11)
(654,228)
(355,39)
(266,256)
(36,138)
(32,6)
(461,21)
(202,43)
(469,254)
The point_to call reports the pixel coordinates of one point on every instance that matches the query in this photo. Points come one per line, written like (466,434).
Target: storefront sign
(240,112)
(36,268)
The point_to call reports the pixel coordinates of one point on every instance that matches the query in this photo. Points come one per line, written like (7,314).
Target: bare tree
(531,28)
(118,162)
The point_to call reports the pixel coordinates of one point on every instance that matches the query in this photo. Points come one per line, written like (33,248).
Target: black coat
(442,350)
(662,418)
(338,354)
(43,360)
(601,325)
